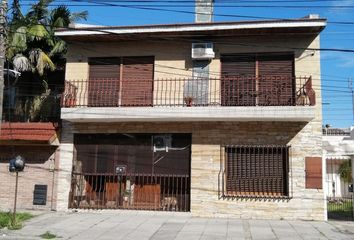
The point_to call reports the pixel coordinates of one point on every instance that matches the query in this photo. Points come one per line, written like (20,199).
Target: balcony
(270,98)
(336,132)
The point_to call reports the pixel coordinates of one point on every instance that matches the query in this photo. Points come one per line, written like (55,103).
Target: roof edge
(194,27)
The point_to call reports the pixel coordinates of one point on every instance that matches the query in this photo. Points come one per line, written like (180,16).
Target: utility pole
(3,11)
(350,86)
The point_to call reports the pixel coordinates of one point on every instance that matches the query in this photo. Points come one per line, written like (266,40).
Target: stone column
(66,149)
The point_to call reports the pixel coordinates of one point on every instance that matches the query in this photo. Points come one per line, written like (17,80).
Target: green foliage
(340,209)
(345,171)
(38,108)
(59,47)
(48,235)
(7,221)
(37,32)
(32,36)
(16,10)
(19,39)
(60,17)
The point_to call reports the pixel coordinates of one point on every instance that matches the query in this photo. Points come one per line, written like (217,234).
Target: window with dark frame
(120,81)
(256,171)
(264,79)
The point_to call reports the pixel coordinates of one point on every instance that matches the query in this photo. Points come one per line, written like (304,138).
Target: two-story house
(216,119)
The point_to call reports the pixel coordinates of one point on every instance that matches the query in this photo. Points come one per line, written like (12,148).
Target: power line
(156,8)
(105,3)
(193,1)
(218,42)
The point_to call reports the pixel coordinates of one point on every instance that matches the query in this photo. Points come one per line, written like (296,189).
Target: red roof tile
(39,131)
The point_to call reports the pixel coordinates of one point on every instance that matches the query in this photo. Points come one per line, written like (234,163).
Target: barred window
(256,171)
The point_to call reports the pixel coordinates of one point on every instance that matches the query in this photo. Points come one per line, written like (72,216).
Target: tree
(32,44)
(345,171)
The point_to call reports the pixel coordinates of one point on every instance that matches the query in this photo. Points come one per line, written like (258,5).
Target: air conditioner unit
(202,51)
(162,142)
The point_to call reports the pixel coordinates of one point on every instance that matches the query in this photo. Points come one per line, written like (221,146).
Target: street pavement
(141,225)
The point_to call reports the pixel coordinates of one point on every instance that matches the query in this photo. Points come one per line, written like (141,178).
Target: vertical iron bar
(15,201)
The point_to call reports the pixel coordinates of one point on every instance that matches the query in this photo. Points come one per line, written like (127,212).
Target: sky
(336,67)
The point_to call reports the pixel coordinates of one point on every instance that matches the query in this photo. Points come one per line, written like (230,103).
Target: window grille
(255,171)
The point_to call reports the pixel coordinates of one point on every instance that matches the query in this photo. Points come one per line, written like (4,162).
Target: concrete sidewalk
(164,226)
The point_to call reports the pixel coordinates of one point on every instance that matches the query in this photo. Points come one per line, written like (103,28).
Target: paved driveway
(164,226)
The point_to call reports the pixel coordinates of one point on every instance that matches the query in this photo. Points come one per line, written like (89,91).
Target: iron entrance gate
(340,208)
(131,171)
(339,189)
(162,192)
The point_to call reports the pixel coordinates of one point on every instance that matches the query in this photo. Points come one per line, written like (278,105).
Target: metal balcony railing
(336,131)
(194,92)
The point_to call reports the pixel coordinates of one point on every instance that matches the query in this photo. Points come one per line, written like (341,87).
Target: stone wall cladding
(66,149)
(305,140)
(35,172)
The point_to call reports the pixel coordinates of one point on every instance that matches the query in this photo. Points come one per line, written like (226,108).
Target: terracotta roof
(37,132)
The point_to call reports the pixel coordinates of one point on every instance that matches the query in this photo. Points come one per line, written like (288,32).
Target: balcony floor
(180,114)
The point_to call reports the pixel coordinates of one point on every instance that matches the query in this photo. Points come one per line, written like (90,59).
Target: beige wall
(39,162)
(173,59)
(207,137)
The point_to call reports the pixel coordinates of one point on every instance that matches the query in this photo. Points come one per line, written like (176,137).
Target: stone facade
(207,137)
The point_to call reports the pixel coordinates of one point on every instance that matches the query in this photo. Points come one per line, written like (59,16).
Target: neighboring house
(30,129)
(219,119)
(338,148)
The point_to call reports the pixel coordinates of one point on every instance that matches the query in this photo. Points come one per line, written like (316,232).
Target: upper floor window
(120,81)
(258,79)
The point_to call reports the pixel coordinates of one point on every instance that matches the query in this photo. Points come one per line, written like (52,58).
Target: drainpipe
(204,10)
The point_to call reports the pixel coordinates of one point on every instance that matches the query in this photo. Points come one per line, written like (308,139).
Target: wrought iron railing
(159,192)
(336,131)
(198,92)
(340,208)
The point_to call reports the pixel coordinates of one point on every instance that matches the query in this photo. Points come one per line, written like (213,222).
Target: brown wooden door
(137,81)
(275,80)
(103,86)
(238,80)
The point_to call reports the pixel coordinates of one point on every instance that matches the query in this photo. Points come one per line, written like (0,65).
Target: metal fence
(196,92)
(336,131)
(340,208)
(159,192)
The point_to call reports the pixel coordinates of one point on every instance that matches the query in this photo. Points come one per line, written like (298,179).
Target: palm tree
(32,44)
(345,171)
